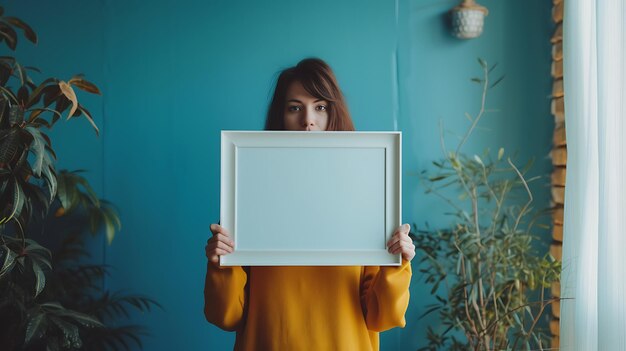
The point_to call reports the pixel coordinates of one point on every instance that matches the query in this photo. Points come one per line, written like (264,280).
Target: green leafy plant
(50,299)
(486,272)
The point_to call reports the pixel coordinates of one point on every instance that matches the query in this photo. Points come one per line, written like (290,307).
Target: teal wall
(70,42)
(175,73)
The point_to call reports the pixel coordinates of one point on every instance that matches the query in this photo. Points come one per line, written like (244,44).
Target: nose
(308,119)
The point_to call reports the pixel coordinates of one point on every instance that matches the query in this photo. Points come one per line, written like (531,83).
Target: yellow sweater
(307,308)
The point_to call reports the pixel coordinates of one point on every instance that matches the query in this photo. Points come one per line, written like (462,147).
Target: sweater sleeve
(385,296)
(225,296)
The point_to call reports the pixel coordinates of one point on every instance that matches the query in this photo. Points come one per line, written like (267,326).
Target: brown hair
(318,79)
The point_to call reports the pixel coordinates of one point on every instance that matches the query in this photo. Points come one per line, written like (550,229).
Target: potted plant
(486,272)
(50,299)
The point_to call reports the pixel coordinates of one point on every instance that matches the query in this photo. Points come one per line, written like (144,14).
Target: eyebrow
(296,100)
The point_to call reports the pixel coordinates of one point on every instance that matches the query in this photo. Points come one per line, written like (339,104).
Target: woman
(307,308)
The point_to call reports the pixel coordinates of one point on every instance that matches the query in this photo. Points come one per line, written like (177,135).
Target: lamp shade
(468,19)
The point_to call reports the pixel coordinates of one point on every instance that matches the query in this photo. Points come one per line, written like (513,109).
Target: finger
(409,253)
(403,235)
(405,228)
(406,253)
(225,239)
(223,246)
(406,238)
(221,252)
(394,238)
(399,237)
(396,247)
(222,238)
(392,242)
(217,252)
(402,247)
(216,228)
(219,245)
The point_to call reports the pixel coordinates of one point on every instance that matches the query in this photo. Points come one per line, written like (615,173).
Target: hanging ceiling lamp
(468,19)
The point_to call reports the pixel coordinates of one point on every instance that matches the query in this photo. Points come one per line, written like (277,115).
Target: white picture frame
(310,198)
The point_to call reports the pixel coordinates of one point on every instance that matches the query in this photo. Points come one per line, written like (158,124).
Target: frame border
(231,141)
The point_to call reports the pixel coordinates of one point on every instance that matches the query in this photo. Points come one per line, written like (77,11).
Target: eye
(293,108)
(321,107)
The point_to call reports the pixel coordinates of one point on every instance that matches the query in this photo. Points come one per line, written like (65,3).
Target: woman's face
(303,111)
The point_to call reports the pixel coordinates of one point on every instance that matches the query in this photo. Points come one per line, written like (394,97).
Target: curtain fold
(593,285)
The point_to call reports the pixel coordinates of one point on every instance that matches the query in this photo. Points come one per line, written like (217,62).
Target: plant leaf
(62,190)
(38,92)
(429,311)
(8,94)
(51,180)
(37,111)
(89,118)
(9,35)
(18,203)
(434,179)
(40,278)
(483,63)
(91,194)
(496,82)
(478,159)
(83,319)
(29,33)
(31,68)
(35,328)
(85,85)
(493,67)
(21,73)
(110,228)
(39,148)
(71,334)
(9,260)
(69,93)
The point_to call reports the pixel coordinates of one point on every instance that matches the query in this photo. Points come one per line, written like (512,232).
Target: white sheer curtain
(594,242)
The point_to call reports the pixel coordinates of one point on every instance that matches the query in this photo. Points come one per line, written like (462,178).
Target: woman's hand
(219,244)
(400,242)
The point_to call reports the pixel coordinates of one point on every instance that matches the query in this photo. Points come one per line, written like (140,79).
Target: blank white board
(310,198)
